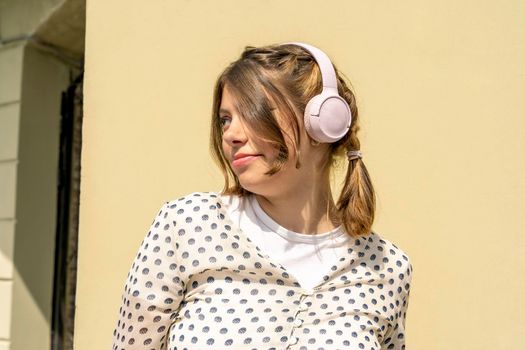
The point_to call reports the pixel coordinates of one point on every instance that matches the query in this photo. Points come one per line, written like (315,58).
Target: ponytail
(356,204)
(357,200)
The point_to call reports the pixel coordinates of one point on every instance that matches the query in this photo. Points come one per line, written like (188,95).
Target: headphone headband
(324,63)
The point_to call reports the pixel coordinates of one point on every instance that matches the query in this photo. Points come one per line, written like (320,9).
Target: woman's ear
(313,142)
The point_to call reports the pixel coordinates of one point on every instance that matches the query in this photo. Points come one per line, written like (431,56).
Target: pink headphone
(327,116)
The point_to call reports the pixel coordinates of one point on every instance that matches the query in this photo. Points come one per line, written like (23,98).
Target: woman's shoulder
(197,201)
(190,206)
(204,197)
(193,200)
(381,241)
(197,206)
(394,259)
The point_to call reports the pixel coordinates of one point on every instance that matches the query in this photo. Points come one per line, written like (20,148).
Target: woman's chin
(252,185)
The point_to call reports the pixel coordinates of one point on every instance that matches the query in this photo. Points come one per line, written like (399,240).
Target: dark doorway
(68,192)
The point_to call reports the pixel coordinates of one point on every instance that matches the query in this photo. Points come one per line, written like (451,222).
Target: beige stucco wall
(11,63)
(440,87)
(35,68)
(44,79)
(31,83)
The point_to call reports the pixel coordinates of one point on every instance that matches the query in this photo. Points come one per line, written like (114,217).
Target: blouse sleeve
(395,336)
(153,290)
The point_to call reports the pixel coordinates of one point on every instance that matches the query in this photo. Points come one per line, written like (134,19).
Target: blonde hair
(289,75)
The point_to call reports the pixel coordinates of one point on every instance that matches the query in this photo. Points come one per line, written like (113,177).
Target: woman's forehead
(231,98)
(228,101)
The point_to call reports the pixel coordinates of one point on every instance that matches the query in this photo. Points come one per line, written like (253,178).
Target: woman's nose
(234,133)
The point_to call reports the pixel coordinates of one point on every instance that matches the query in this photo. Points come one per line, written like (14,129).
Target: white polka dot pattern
(198,282)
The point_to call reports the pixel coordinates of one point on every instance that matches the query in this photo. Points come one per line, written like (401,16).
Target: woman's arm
(153,291)
(395,336)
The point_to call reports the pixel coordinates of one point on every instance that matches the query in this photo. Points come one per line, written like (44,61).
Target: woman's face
(250,157)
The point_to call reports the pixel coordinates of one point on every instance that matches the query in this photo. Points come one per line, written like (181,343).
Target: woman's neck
(308,211)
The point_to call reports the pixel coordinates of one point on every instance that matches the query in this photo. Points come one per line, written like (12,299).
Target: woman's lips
(243,160)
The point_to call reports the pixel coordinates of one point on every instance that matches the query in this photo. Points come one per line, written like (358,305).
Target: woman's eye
(225,120)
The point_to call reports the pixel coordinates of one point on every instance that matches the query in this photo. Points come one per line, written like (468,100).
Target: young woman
(272,262)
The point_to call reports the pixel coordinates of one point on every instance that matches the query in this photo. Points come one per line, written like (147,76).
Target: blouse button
(303,307)
(294,340)
(298,322)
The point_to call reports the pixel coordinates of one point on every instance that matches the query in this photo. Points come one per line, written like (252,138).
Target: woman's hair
(286,77)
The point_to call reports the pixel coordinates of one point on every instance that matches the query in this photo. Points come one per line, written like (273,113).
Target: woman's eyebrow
(223,110)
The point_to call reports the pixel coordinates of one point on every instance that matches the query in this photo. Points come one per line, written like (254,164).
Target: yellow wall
(440,87)
(44,78)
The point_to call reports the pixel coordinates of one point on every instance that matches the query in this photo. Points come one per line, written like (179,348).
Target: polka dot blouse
(198,282)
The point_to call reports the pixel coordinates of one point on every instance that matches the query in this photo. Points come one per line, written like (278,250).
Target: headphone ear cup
(327,118)
(308,118)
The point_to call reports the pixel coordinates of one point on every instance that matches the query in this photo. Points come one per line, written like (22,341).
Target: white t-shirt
(307,257)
